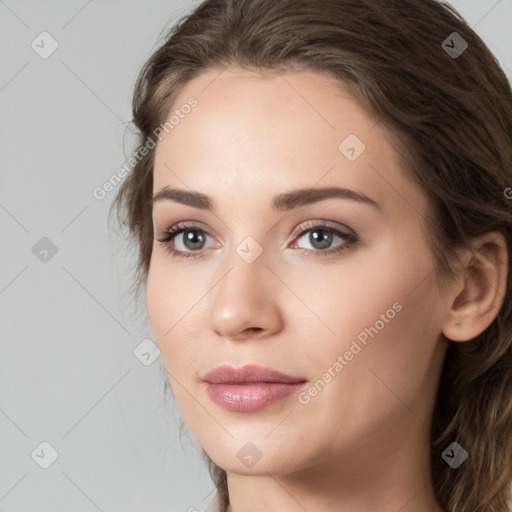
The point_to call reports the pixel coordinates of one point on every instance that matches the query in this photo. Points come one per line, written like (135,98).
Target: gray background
(68,372)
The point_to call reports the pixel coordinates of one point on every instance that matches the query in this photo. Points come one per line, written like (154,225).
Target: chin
(256,458)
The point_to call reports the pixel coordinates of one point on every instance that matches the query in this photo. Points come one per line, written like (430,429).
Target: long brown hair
(448,108)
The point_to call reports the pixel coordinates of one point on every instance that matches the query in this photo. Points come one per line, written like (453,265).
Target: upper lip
(248,373)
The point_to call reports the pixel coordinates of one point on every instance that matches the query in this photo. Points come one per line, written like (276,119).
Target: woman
(324,234)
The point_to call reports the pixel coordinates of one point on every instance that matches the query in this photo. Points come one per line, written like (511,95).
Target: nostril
(247,332)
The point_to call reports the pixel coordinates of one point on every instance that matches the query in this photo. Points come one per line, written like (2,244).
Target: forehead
(267,132)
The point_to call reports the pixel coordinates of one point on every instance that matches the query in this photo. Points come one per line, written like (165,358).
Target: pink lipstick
(250,388)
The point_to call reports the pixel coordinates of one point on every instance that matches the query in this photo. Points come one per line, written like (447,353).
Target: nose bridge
(246,277)
(243,298)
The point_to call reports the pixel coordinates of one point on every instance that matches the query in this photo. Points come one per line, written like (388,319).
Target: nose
(246,301)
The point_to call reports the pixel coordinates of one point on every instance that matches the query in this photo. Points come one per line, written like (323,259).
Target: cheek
(384,300)
(386,316)
(172,309)
(158,300)
(371,282)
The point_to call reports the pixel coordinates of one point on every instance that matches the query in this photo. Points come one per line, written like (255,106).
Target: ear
(479,288)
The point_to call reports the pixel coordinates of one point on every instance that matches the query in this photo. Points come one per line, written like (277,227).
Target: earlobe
(479,291)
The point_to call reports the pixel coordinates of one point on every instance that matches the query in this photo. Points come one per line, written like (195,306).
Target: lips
(250,388)
(248,374)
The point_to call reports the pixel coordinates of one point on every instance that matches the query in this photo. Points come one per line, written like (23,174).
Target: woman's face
(350,311)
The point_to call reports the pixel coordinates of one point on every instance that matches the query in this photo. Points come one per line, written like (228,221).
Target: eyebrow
(281,202)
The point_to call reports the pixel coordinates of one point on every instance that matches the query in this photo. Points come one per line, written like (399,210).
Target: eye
(193,240)
(188,241)
(321,236)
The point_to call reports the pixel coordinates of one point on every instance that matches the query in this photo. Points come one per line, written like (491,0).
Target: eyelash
(167,236)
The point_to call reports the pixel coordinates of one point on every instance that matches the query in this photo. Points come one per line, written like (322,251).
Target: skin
(361,443)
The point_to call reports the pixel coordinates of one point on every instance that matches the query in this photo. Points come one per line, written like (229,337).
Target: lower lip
(250,397)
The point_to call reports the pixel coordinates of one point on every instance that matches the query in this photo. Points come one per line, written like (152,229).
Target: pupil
(320,242)
(192,237)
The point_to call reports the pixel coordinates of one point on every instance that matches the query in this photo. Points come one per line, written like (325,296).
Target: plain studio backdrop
(83,421)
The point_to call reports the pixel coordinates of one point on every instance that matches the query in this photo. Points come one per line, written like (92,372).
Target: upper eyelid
(321,224)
